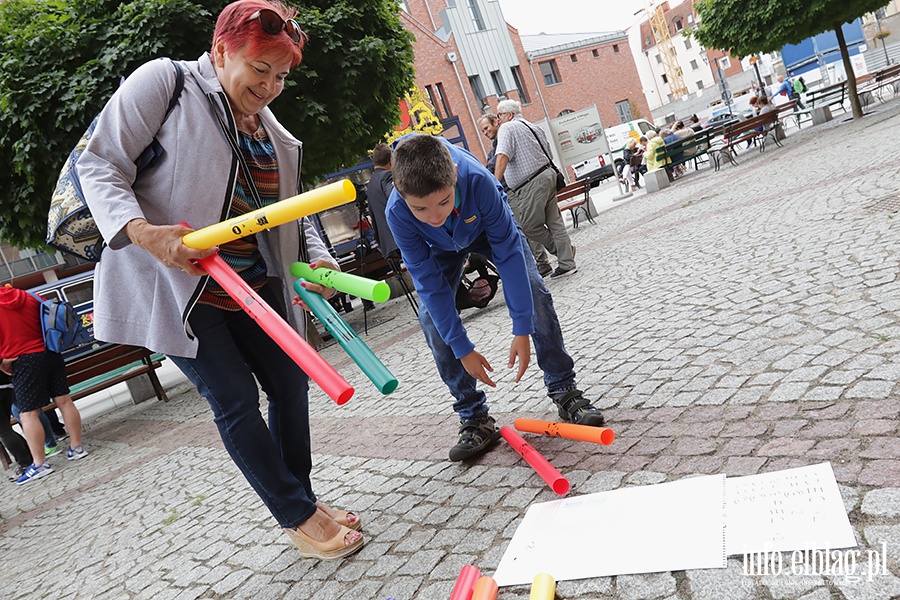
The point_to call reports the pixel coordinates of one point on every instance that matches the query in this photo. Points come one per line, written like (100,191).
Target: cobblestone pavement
(738,322)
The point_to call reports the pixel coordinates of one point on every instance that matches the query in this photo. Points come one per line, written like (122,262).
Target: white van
(617,136)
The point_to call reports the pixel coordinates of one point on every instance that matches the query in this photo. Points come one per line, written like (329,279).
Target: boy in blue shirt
(445,205)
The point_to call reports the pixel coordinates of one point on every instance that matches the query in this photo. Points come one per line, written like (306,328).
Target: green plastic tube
(362,287)
(361,354)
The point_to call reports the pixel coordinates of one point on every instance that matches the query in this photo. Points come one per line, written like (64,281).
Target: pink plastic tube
(283,334)
(465,583)
(548,472)
(485,589)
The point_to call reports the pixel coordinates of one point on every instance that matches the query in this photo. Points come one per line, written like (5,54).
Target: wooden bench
(885,79)
(687,149)
(574,197)
(761,126)
(108,365)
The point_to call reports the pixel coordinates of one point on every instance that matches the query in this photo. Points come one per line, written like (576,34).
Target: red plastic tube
(548,472)
(465,583)
(278,329)
(570,431)
(485,589)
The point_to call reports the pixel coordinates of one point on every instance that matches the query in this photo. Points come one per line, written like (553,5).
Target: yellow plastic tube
(290,209)
(543,587)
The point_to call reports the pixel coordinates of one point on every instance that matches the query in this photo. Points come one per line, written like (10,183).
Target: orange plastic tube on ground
(570,431)
(485,589)
(548,472)
(465,583)
(278,329)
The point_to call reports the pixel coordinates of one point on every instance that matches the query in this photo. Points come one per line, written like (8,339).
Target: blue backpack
(61,325)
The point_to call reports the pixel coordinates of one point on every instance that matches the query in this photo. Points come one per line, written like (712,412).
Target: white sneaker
(76,453)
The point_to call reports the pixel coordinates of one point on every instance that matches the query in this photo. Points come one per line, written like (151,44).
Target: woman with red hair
(224,154)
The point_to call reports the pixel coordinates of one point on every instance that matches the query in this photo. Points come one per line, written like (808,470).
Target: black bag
(560,179)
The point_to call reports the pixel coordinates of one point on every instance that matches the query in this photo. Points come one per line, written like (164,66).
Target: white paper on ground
(793,509)
(645,529)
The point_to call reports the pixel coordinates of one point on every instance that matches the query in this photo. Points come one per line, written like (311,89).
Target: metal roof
(545,44)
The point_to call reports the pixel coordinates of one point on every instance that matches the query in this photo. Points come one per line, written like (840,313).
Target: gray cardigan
(137,300)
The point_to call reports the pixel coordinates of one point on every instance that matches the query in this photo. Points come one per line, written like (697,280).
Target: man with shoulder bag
(523,158)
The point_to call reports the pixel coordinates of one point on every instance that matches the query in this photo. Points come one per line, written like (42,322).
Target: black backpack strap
(179,86)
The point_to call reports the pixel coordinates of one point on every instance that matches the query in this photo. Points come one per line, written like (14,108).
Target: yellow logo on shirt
(470,219)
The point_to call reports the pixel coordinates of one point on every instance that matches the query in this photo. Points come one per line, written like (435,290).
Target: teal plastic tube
(361,287)
(361,354)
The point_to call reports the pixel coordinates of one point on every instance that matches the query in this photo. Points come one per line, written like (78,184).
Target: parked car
(722,120)
(594,169)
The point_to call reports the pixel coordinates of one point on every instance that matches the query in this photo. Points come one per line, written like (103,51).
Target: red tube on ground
(465,583)
(570,431)
(278,329)
(548,472)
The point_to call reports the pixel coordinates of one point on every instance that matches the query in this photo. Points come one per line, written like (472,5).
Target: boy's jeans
(552,358)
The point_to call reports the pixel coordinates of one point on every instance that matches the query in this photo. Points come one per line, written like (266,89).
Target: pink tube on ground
(465,583)
(277,328)
(548,472)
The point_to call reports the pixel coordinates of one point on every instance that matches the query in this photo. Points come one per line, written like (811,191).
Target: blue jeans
(552,358)
(277,460)
(49,436)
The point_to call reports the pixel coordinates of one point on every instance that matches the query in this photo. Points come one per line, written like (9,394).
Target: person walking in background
(228,155)
(37,374)
(523,158)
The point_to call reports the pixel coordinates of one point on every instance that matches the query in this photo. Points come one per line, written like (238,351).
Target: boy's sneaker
(33,472)
(51,450)
(575,408)
(76,453)
(475,438)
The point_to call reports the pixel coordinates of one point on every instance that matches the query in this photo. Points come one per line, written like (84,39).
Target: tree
(743,28)
(61,60)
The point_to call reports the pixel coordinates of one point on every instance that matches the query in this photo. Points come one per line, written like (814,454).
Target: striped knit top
(243,254)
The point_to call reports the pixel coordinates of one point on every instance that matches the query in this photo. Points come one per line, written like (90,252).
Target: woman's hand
(521,349)
(164,243)
(475,364)
(325,292)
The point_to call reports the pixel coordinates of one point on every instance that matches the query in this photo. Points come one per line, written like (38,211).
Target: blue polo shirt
(483,209)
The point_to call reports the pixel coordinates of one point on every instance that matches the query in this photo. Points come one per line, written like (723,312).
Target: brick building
(467,58)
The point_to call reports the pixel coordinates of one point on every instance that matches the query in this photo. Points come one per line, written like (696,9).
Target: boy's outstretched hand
(475,364)
(521,349)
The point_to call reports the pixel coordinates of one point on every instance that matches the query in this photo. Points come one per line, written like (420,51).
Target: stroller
(478,284)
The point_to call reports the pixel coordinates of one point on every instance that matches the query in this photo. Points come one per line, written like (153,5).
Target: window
(564,112)
(724,62)
(691,18)
(687,44)
(699,85)
(476,15)
(475,83)
(443,98)
(694,65)
(658,59)
(623,107)
(497,78)
(520,85)
(595,52)
(549,72)
(451,3)
(678,25)
(664,78)
(615,48)
(431,98)
(574,57)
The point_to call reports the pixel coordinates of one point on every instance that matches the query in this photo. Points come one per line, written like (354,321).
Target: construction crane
(660,27)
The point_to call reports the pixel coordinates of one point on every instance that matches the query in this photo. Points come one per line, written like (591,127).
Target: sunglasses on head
(272,23)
